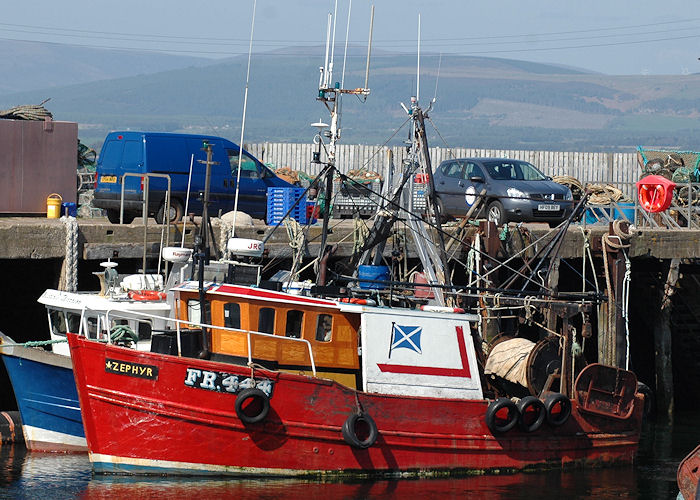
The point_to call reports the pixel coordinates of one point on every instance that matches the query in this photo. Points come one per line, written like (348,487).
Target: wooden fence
(620,169)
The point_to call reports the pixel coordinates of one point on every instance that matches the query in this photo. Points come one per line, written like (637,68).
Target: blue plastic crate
(279,202)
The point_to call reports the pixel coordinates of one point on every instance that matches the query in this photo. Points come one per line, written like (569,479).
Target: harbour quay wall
(98,239)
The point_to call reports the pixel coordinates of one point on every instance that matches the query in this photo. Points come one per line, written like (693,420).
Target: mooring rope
(71,253)
(34,343)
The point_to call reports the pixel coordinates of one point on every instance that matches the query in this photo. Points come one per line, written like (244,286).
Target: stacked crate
(281,199)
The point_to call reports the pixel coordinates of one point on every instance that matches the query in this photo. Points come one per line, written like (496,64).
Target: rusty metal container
(37,158)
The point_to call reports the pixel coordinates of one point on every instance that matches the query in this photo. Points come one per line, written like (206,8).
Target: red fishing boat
(411,402)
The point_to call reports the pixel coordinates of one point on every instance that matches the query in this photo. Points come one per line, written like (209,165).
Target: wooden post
(553,285)
(662,344)
(619,336)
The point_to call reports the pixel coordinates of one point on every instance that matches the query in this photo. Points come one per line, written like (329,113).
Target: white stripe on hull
(110,463)
(45,440)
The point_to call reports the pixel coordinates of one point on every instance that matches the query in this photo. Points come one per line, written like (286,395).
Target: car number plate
(112,179)
(546,207)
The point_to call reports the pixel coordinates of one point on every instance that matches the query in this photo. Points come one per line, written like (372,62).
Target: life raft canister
(655,193)
(146,295)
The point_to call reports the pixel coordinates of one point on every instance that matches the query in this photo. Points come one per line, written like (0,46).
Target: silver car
(515,191)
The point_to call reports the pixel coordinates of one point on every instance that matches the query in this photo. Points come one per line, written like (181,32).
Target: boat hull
(148,413)
(47,399)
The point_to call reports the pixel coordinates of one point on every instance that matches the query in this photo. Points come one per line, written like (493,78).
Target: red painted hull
(138,425)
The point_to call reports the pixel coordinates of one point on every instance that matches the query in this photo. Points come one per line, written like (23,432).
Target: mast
(330,94)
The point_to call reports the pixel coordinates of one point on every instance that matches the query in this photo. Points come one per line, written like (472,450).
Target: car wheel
(176,212)
(441,207)
(495,213)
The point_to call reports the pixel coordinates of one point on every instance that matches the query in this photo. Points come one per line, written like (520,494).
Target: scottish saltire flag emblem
(407,337)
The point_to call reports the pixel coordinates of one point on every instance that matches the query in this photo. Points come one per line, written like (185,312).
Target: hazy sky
(611,36)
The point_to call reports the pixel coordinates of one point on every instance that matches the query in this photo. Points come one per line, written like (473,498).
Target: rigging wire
(134,36)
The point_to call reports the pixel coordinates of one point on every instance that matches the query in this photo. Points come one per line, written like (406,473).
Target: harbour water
(663,446)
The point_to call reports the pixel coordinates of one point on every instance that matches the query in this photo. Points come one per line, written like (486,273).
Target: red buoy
(655,193)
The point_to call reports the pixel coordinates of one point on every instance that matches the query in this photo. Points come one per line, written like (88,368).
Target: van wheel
(113,216)
(176,212)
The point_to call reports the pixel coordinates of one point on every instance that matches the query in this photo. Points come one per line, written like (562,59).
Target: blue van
(166,153)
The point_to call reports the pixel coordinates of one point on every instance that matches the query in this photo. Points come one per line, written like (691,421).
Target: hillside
(35,66)
(481,102)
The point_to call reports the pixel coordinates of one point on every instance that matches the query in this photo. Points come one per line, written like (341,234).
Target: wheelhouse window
(266,320)
(232,315)
(61,322)
(92,327)
(194,314)
(144,329)
(324,327)
(57,321)
(295,320)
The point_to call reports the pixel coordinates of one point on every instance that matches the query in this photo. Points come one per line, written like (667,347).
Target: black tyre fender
(531,403)
(252,394)
(551,401)
(349,431)
(176,209)
(495,424)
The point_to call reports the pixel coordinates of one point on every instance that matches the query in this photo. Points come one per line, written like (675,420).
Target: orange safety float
(655,193)
(146,295)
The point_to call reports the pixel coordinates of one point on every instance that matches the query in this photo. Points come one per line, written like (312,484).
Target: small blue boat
(46,396)
(43,380)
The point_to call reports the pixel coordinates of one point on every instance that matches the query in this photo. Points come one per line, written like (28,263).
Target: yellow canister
(53,206)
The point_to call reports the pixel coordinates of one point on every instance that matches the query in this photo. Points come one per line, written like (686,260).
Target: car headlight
(515,193)
(568,195)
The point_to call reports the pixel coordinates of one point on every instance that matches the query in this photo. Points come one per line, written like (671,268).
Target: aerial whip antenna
(245,107)
(437,78)
(418,64)
(369,49)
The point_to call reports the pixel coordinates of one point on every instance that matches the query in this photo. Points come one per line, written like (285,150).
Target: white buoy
(245,247)
(177,254)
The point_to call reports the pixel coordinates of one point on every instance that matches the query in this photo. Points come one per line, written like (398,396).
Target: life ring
(244,406)
(349,431)
(494,415)
(146,295)
(558,408)
(526,406)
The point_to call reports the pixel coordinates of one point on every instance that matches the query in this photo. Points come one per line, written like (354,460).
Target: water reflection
(37,475)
